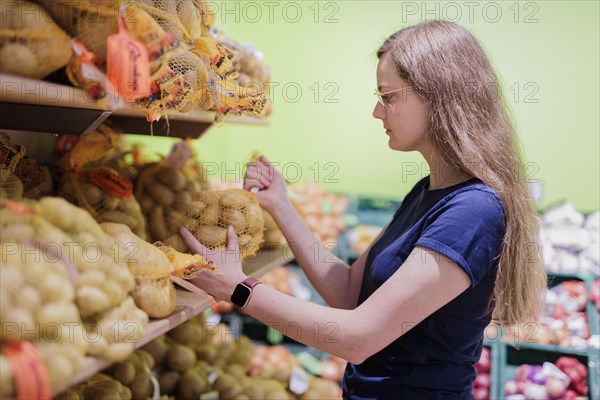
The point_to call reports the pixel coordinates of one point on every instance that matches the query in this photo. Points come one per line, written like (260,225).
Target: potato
(210,215)
(91,193)
(171,178)
(180,358)
(161,194)
(212,236)
(168,381)
(233,217)
(176,242)
(194,208)
(234,198)
(141,386)
(117,217)
(110,202)
(158,225)
(182,199)
(124,372)
(146,203)
(17,59)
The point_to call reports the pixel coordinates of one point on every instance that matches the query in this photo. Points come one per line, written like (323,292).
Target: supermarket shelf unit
(33,106)
(506,357)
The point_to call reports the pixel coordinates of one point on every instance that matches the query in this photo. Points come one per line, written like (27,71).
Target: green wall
(546,52)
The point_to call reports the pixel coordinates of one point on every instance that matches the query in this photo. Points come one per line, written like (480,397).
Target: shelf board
(550,348)
(32,105)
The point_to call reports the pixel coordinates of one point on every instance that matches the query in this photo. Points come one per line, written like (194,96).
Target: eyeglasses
(384,100)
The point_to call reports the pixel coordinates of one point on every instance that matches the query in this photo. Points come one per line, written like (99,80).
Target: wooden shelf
(31,105)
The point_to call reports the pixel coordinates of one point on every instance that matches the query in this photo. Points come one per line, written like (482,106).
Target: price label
(128,65)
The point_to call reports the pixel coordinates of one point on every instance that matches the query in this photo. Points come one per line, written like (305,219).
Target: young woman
(410,313)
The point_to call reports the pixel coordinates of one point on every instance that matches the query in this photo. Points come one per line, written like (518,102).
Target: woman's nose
(379,111)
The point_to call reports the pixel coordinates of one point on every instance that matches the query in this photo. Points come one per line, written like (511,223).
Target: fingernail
(230,229)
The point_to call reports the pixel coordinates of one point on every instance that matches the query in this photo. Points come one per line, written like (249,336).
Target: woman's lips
(388,131)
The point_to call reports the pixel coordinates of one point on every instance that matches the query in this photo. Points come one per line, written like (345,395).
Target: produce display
(101,283)
(564,321)
(164,192)
(185,67)
(90,183)
(361,236)
(211,212)
(570,240)
(198,358)
(566,379)
(31,44)
(482,383)
(320,210)
(40,311)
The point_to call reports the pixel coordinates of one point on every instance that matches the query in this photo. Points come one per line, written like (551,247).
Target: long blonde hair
(471,130)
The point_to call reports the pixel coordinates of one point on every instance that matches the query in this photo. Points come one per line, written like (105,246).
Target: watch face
(240,295)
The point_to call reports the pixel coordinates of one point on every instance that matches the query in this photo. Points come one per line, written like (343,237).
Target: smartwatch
(243,291)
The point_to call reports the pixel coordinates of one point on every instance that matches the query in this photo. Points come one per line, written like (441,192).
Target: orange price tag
(111,182)
(17,207)
(128,65)
(31,376)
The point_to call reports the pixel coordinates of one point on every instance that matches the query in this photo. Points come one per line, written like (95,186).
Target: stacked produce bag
(31,44)
(90,181)
(180,66)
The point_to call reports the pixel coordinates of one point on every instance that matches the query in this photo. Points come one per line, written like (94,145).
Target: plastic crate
(511,358)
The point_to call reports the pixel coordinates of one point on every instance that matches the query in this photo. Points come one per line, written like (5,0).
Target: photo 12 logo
(471,11)
(273,11)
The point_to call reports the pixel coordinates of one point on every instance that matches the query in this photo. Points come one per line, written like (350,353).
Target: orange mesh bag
(97,188)
(31,44)
(164,192)
(211,212)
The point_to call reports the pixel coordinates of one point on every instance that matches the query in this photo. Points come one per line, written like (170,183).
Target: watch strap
(250,282)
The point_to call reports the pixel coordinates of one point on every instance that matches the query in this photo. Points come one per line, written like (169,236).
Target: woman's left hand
(228,262)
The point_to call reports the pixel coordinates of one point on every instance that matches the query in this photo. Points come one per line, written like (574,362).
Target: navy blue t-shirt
(435,359)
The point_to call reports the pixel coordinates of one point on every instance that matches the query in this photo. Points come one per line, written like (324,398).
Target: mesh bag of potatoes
(112,321)
(164,191)
(154,292)
(31,44)
(91,184)
(101,281)
(209,215)
(41,311)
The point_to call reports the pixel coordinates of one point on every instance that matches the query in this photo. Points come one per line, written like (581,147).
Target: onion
(535,392)
(555,388)
(511,387)
(482,380)
(481,394)
(522,372)
(330,371)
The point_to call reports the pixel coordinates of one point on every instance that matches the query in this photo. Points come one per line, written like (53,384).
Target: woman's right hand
(272,188)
